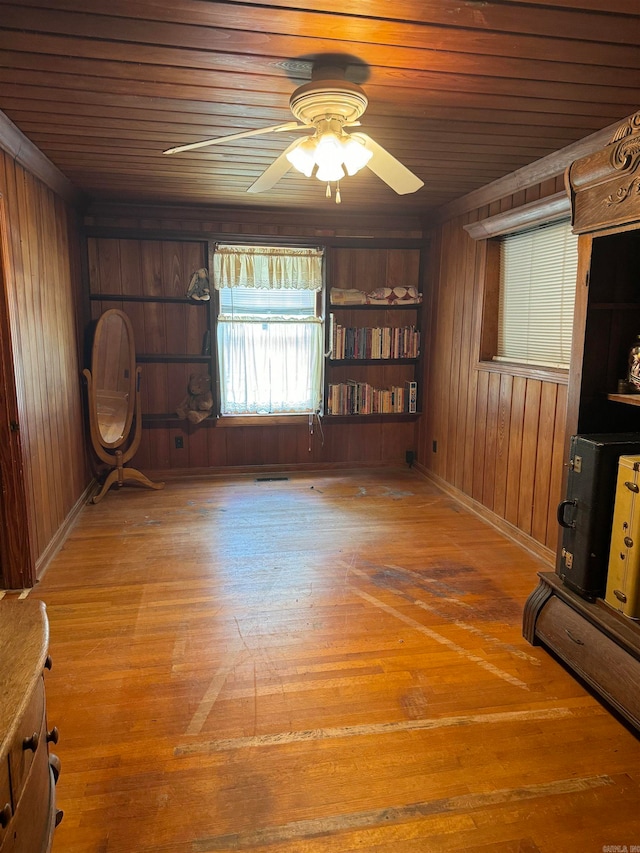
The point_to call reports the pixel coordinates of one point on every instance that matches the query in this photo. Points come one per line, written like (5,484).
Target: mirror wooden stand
(115,416)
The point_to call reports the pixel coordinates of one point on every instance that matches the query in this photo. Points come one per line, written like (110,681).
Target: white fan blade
(274,172)
(276,128)
(390,170)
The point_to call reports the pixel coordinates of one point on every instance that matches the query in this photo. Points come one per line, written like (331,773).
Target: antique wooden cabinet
(28,772)
(594,640)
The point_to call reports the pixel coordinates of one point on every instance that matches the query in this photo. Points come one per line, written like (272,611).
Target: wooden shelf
(337,362)
(412,305)
(376,416)
(628,399)
(121,297)
(172,417)
(176,358)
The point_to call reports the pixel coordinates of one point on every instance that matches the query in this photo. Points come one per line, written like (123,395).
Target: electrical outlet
(409,456)
(434,446)
(179,442)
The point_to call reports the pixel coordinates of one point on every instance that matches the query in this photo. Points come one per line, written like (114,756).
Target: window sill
(529,371)
(262,420)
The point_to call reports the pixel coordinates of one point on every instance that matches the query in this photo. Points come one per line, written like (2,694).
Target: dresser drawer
(592,655)
(31,827)
(30,738)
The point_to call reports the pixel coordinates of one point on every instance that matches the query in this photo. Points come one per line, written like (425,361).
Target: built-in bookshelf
(373,334)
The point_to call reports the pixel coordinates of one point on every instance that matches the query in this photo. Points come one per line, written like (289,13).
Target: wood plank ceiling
(461,92)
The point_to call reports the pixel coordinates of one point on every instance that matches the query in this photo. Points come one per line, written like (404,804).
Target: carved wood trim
(604,186)
(543,210)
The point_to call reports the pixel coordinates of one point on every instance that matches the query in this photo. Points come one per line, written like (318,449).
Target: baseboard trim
(507,529)
(58,540)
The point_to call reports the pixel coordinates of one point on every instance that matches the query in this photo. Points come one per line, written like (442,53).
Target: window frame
(546,211)
(269,418)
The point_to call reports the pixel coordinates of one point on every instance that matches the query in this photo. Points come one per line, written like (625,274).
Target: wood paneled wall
(43,294)
(115,266)
(495,437)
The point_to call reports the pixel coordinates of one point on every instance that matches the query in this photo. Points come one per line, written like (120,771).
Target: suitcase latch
(619,594)
(576,464)
(567,556)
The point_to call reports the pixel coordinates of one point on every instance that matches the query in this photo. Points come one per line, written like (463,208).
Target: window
(269,329)
(538,271)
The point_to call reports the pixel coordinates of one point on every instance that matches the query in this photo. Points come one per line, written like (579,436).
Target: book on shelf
(412,396)
(332,334)
(380,343)
(361,398)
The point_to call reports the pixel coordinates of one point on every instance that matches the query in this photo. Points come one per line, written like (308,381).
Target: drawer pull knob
(633,487)
(48,662)
(628,541)
(5,815)
(576,640)
(619,594)
(31,742)
(53,736)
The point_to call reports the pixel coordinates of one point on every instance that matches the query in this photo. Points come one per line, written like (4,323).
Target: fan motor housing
(337,99)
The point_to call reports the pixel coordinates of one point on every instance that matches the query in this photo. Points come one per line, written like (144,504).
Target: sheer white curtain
(270,341)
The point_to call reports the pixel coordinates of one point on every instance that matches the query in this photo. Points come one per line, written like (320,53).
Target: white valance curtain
(268,267)
(270,351)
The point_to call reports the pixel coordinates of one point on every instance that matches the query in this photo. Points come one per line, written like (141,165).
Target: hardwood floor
(332,662)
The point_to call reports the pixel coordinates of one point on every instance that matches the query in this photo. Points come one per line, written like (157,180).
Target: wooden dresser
(28,773)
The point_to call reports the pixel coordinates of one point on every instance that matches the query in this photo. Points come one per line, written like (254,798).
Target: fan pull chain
(338,199)
(328,192)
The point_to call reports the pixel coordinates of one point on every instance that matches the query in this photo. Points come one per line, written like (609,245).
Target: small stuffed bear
(198,403)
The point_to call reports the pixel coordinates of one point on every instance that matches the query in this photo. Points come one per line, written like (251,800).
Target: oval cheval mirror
(115,419)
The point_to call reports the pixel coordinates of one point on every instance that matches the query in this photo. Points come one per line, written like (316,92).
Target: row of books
(379,342)
(360,398)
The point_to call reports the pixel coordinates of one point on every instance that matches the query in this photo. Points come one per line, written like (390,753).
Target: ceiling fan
(326,106)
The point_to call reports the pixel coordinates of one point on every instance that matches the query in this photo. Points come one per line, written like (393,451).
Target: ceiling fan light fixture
(330,172)
(355,155)
(302,156)
(328,150)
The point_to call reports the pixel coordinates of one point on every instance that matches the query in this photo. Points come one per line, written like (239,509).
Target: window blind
(250,301)
(538,271)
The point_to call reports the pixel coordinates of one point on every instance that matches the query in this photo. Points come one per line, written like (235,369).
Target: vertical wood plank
(502,444)
(480,434)
(544,455)
(514,465)
(558,470)
(491,440)
(529,453)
